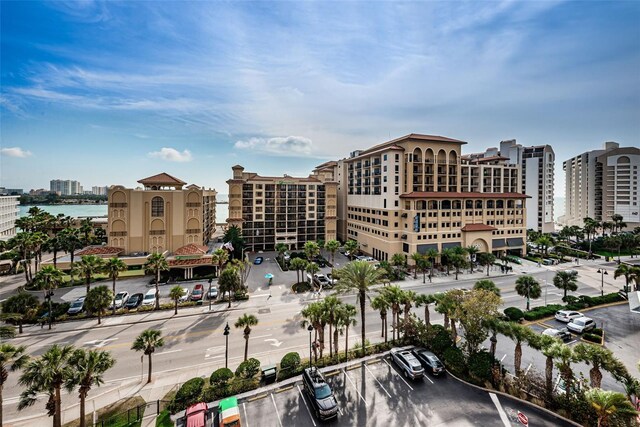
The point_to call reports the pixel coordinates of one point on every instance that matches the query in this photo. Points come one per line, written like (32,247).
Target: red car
(198,292)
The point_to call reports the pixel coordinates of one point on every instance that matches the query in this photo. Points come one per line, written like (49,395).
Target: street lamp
(602,273)
(209,294)
(310,329)
(226,347)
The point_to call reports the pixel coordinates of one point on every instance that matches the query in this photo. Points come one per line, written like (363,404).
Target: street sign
(523,419)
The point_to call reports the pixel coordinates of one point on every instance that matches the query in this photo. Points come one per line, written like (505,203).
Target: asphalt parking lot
(374,393)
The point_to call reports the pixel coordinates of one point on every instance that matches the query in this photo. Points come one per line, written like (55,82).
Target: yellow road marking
(284,389)
(261,396)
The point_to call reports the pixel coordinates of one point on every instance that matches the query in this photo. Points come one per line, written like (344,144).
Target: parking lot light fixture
(602,273)
(226,347)
(310,329)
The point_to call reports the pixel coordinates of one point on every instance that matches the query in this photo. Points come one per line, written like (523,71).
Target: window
(157,206)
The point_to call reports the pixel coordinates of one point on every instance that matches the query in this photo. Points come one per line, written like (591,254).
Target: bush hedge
(592,338)
(454,360)
(248,369)
(441,340)
(188,394)
(543,311)
(220,377)
(480,366)
(513,313)
(597,331)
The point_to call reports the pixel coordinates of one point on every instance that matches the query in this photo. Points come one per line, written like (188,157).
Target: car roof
(151,292)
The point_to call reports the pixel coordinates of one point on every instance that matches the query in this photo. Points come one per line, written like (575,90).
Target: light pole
(310,329)
(209,294)
(602,273)
(226,347)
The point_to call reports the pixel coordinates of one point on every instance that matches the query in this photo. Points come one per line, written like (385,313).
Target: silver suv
(408,363)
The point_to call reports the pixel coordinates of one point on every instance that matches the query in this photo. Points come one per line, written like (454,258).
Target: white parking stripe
(305,405)
(427,377)
(354,386)
(395,372)
(374,377)
(505,355)
(244,407)
(503,415)
(273,399)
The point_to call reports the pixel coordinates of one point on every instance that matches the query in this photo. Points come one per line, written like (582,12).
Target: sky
(111,92)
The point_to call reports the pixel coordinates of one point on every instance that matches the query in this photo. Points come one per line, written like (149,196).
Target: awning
(498,243)
(422,249)
(515,241)
(451,245)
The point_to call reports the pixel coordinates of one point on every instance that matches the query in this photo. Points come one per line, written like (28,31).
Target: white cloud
(289,146)
(15,152)
(172,155)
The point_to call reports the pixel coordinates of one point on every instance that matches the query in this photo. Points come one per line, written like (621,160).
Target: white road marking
(503,415)
(374,377)
(274,342)
(114,321)
(305,405)
(276,406)
(527,370)
(244,407)
(395,372)
(209,353)
(505,355)
(100,343)
(261,336)
(354,386)
(425,375)
(168,352)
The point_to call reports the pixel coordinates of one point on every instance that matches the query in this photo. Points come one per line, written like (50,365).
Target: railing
(117,205)
(156,232)
(118,233)
(194,204)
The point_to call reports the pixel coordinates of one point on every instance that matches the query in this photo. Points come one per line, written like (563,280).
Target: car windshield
(323,392)
(197,292)
(213,290)
(149,296)
(433,360)
(134,298)
(76,304)
(119,296)
(579,322)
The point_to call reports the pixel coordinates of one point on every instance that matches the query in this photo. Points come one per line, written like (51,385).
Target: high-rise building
(8,216)
(99,191)
(11,191)
(163,216)
(283,209)
(601,183)
(419,192)
(537,173)
(65,187)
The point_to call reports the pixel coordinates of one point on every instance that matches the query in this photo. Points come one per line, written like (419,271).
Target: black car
(324,403)
(134,301)
(429,360)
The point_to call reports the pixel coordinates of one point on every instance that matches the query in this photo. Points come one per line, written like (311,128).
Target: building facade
(418,192)
(272,210)
(8,216)
(163,216)
(99,191)
(65,187)
(601,183)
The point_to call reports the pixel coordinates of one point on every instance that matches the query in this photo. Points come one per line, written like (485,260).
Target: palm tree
(48,279)
(47,374)
(19,307)
(246,321)
(359,276)
(487,285)
(543,343)
(445,258)
(88,266)
(312,268)
(431,255)
(472,250)
(70,243)
(416,257)
(330,305)
(344,320)
(89,367)
(332,246)
(518,334)
(408,298)
(23,243)
(12,358)
(566,280)
(398,260)
(147,342)
(626,271)
(382,305)
(98,299)
(155,264)
(426,300)
(175,294)
(564,356)
(313,315)
(393,296)
(607,225)
(486,260)
(459,262)
(113,267)
(599,358)
(590,227)
(528,287)
(351,246)
(298,264)
(281,248)
(229,282)
(218,258)
(618,222)
(311,249)
(610,405)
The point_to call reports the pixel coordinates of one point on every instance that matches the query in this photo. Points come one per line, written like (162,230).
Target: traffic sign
(523,419)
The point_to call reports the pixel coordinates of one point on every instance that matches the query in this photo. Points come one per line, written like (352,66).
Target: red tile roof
(461,195)
(162,178)
(189,262)
(191,249)
(100,250)
(478,227)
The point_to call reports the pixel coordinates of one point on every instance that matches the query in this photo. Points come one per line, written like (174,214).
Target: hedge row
(574,303)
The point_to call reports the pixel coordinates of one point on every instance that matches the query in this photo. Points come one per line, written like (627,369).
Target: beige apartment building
(419,192)
(163,216)
(284,209)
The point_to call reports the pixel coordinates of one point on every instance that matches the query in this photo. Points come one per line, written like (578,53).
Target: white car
(121,299)
(562,334)
(212,293)
(581,324)
(567,316)
(185,295)
(149,297)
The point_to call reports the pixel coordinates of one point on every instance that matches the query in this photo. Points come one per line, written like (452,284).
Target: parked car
(429,361)
(323,401)
(134,301)
(196,415)
(149,297)
(320,261)
(407,362)
(185,295)
(321,280)
(228,412)
(562,334)
(581,324)
(198,292)
(333,281)
(77,306)
(121,299)
(567,315)
(258,260)
(212,293)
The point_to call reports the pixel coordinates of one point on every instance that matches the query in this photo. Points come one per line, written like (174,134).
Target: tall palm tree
(298,264)
(618,222)
(543,343)
(246,321)
(23,243)
(416,257)
(89,367)
(590,228)
(12,358)
(528,287)
(113,267)
(408,298)
(71,243)
(626,271)
(382,305)
(486,260)
(567,281)
(311,249)
(487,285)
(544,242)
(314,315)
(518,334)
(155,264)
(48,279)
(312,268)
(175,294)
(394,297)
(607,225)
(330,305)
(472,251)
(229,282)
(219,258)
(47,374)
(563,356)
(446,257)
(345,319)
(89,266)
(98,300)
(431,255)
(610,405)
(332,246)
(147,342)
(599,358)
(281,248)
(351,246)
(359,276)
(426,300)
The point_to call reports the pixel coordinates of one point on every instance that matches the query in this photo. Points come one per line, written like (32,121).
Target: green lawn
(124,274)
(164,419)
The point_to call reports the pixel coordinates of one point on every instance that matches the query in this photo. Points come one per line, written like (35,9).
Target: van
(149,297)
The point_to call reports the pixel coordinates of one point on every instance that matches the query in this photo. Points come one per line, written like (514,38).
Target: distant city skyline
(111,92)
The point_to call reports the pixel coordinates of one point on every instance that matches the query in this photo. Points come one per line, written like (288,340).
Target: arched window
(490,204)
(157,206)
(499,204)
(478,204)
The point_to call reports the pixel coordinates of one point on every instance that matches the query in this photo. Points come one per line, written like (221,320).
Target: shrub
(212,392)
(220,377)
(544,311)
(592,338)
(597,331)
(248,369)
(441,341)
(301,287)
(290,361)
(188,394)
(513,313)
(454,360)
(238,386)
(480,366)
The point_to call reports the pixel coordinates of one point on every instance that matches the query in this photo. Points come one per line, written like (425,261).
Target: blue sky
(110,92)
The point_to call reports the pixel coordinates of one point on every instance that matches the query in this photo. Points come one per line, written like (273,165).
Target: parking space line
(373,361)
(505,355)
(427,377)
(503,415)
(244,408)
(273,399)
(374,377)
(396,372)
(354,386)
(527,370)
(306,406)
(351,368)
